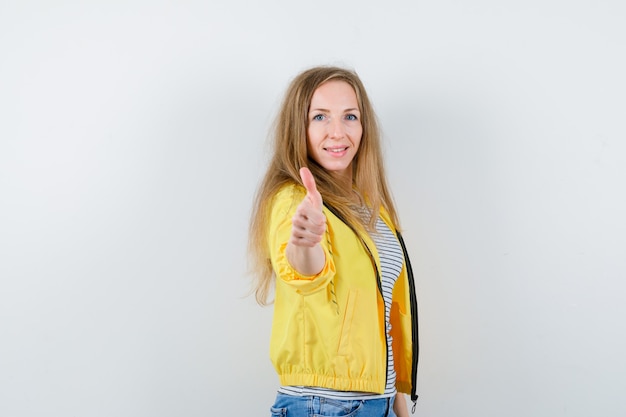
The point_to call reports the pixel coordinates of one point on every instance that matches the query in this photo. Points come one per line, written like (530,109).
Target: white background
(132,138)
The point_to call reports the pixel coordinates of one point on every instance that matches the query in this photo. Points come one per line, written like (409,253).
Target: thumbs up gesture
(309,223)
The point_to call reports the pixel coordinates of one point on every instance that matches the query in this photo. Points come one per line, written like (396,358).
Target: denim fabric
(312,406)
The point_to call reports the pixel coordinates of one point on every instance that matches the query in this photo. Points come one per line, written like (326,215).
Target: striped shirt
(391,261)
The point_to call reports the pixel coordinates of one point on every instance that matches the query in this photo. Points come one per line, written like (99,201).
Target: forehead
(336,92)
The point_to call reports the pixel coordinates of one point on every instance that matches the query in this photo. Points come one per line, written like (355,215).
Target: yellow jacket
(329,329)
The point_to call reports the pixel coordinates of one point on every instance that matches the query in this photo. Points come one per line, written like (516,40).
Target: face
(334,128)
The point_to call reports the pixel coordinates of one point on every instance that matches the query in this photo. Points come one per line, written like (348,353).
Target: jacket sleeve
(284,207)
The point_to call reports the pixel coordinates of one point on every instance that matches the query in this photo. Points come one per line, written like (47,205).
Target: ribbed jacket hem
(333,382)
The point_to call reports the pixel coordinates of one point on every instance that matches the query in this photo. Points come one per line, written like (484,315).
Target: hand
(309,222)
(399,406)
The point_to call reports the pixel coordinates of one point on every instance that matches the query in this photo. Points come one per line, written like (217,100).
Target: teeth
(337,150)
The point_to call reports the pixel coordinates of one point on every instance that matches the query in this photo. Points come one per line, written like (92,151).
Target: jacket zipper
(414,325)
(379,284)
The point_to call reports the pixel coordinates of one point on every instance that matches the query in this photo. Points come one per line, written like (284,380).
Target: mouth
(337,149)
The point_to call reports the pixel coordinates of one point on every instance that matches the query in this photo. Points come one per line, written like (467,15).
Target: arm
(306,260)
(399,406)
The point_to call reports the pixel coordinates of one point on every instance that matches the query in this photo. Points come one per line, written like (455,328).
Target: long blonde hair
(290,154)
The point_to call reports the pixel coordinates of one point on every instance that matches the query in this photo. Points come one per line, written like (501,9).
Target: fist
(309,222)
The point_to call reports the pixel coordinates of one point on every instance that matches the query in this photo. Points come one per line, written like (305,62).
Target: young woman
(324,232)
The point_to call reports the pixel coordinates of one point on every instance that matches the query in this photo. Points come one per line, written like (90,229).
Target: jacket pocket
(346,327)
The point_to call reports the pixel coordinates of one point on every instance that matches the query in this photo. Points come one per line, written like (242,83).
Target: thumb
(309,183)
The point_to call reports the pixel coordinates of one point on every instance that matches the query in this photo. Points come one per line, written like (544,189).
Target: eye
(318,117)
(351,117)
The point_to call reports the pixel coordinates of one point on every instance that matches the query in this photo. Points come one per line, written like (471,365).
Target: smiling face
(334,128)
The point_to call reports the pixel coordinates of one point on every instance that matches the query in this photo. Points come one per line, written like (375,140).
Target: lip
(337,151)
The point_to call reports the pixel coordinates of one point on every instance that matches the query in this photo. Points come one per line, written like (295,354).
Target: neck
(344,181)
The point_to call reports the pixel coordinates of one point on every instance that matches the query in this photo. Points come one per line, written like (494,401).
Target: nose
(336,128)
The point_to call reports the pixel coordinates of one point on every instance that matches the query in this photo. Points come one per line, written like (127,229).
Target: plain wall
(132,138)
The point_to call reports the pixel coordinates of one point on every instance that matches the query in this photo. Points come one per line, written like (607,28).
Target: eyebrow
(328,111)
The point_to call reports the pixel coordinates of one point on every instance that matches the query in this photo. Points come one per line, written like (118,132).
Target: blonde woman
(324,238)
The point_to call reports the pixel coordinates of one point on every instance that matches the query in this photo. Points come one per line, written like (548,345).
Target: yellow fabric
(329,329)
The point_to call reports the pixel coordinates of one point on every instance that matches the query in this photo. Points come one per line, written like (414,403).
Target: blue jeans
(312,406)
